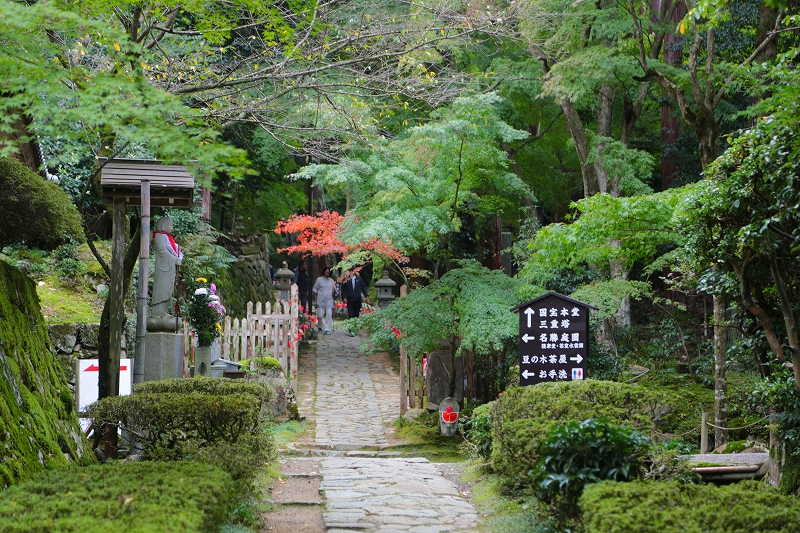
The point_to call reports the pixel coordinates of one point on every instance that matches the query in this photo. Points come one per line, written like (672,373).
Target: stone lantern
(283,280)
(385,287)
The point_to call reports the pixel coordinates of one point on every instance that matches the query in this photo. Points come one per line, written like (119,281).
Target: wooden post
(117,319)
(403,363)
(292,334)
(704,432)
(141,296)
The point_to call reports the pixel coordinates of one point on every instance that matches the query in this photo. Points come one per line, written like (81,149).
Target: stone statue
(168,257)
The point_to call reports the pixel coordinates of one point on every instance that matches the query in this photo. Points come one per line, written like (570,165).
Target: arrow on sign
(95,368)
(527,374)
(527,338)
(530,312)
(577,359)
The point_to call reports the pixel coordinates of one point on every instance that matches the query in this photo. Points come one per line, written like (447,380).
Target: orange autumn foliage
(318,235)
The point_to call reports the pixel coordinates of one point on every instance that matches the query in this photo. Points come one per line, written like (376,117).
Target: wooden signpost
(553,339)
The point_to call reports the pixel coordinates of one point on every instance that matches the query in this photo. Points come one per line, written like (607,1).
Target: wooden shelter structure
(170,185)
(145,183)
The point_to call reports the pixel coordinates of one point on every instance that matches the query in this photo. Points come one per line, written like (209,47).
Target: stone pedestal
(202,361)
(163,356)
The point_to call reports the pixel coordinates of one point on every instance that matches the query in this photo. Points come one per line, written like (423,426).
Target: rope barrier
(715,427)
(729,429)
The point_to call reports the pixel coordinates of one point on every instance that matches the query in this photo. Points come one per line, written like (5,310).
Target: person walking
(324,289)
(352,290)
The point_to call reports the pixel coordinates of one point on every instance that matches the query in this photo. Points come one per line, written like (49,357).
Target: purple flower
(213,288)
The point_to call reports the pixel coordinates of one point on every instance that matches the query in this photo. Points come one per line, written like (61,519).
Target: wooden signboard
(553,339)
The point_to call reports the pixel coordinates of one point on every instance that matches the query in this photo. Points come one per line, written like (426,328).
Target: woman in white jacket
(324,289)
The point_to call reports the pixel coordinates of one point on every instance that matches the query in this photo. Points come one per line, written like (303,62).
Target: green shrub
(668,507)
(477,431)
(217,421)
(581,453)
(34,210)
(261,363)
(522,417)
(216,386)
(136,497)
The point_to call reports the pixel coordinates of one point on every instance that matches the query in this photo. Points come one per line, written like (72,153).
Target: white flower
(201,290)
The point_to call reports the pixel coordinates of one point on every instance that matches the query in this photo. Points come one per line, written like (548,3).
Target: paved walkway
(352,405)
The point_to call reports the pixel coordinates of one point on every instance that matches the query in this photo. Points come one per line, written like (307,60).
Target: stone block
(437,378)
(64,337)
(90,336)
(163,356)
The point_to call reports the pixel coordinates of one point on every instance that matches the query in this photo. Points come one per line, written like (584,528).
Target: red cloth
(171,240)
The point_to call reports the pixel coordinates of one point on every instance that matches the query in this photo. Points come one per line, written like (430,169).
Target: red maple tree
(318,235)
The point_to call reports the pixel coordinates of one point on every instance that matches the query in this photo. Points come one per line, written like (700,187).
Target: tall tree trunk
(451,378)
(605,112)
(581,141)
(721,343)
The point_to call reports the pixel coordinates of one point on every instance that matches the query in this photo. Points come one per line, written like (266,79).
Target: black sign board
(553,339)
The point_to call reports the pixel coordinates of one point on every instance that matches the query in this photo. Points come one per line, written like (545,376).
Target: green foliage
(668,507)
(471,302)
(256,364)
(139,497)
(216,421)
(523,416)
(581,453)
(34,211)
(477,431)
(419,189)
(95,89)
(602,363)
(779,392)
(611,234)
(34,418)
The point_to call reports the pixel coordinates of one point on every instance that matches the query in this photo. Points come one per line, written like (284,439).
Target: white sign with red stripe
(87,383)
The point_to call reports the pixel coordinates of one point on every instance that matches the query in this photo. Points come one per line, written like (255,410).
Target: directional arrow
(95,368)
(530,312)
(527,338)
(577,359)
(526,374)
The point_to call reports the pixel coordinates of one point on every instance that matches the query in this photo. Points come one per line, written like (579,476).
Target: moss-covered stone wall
(248,279)
(39,428)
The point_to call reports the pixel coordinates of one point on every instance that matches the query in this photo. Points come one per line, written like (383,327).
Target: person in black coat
(352,290)
(303,281)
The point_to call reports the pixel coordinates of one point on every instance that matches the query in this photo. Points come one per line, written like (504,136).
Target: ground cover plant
(669,507)
(578,454)
(136,497)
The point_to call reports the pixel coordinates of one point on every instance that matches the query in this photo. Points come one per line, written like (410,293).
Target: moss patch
(37,430)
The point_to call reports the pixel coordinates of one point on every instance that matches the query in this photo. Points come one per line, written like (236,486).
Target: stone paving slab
(392,494)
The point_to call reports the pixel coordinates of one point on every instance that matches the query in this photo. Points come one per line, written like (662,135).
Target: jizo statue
(168,257)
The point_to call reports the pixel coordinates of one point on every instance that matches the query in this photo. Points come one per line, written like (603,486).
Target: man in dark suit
(352,290)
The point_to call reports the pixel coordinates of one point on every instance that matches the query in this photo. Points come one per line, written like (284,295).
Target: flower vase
(202,361)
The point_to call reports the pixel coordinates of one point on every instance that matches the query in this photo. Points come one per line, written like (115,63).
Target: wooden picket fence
(268,330)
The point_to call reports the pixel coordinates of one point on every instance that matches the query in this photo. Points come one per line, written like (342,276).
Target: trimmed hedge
(522,418)
(136,497)
(216,386)
(668,507)
(215,421)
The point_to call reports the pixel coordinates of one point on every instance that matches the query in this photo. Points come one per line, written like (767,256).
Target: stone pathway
(351,408)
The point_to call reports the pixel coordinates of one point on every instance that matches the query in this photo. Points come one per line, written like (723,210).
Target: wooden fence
(268,330)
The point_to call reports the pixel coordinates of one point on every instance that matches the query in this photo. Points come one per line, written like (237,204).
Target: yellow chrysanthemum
(218,326)
(201,280)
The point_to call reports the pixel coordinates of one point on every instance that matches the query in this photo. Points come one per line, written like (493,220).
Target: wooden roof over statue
(170,185)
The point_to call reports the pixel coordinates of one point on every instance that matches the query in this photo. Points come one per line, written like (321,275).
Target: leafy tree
(469,304)
(744,219)
(34,211)
(419,189)
(609,235)
(320,235)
